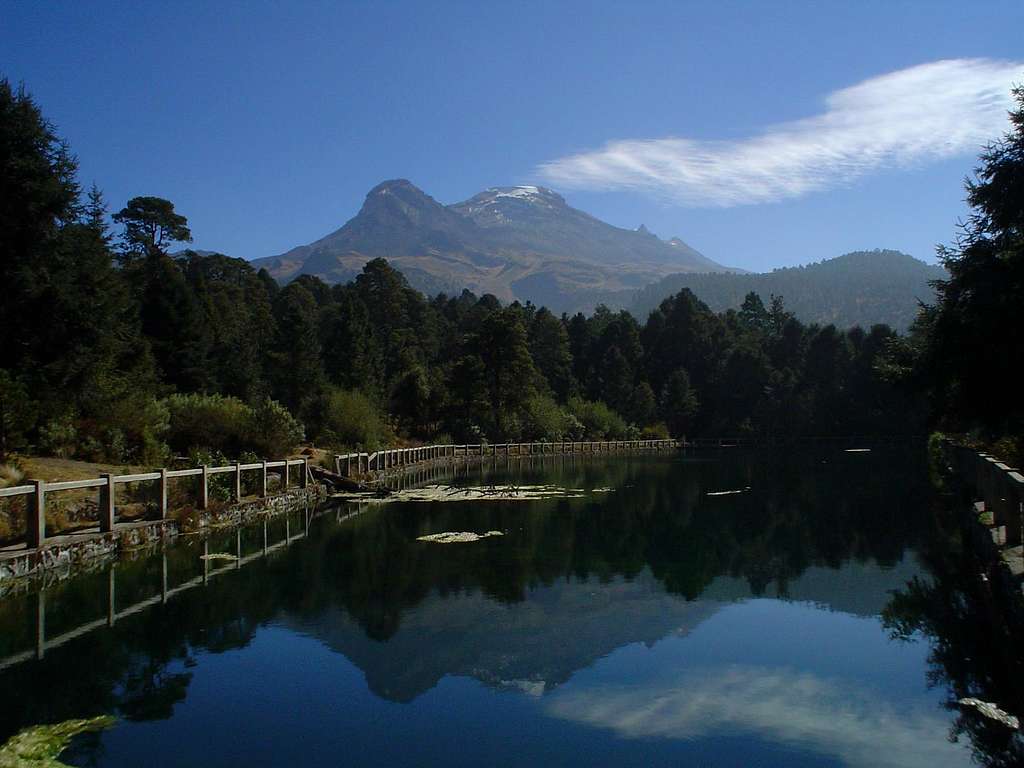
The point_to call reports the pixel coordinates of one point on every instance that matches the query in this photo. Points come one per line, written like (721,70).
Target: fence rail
(37,491)
(351,464)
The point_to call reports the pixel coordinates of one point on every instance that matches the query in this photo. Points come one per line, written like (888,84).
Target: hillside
(860,288)
(522,243)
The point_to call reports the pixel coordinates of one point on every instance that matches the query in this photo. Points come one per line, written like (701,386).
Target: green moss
(39,746)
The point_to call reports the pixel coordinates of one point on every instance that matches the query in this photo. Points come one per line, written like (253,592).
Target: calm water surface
(644,623)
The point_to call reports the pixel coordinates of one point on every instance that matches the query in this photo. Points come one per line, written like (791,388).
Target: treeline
(113,349)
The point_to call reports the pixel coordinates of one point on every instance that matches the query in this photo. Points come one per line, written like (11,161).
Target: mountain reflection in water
(646,625)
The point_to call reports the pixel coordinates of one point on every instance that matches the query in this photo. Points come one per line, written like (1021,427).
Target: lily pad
(430,493)
(218,556)
(457,537)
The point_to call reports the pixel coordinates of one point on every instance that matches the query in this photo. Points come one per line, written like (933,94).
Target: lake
(719,608)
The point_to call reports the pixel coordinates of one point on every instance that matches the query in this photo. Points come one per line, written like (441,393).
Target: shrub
(657,431)
(58,437)
(12,510)
(10,474)
(273,432)
(229,427)
(1008,449)
(574,429)
(208,421)
(599,421)
(153,451)
(219,487)
(545,419)
(250,481)
(129,430)
(90,449)
(349,418)
(136,426)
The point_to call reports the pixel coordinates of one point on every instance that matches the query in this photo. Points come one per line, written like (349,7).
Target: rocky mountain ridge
(518,243)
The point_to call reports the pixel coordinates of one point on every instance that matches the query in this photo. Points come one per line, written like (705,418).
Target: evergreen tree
(777,314)
(298,369)
(643,405)
(508,371)
(174,323)
(151,225)
(549,347)
(612,380)
(683,333)
(679,403)
(236,310)
(69,326)
(752,315)
(38,197)
(347,340)
(975,332)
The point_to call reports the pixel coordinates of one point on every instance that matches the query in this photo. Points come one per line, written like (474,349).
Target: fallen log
(337,481)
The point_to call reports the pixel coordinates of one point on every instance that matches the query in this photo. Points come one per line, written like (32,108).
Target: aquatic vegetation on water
(39,746)
(457,537)
(218,556)
(727,493)
(991,711)
(470,493)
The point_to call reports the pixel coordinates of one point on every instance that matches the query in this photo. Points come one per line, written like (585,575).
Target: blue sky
(267,123)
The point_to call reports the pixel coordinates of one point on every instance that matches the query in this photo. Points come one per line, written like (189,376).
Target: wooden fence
(37,491)
(350,464)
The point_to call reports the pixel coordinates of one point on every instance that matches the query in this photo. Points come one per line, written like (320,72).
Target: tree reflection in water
(970,611)
(805,509)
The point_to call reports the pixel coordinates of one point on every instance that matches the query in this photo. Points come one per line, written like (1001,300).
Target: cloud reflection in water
(827,715)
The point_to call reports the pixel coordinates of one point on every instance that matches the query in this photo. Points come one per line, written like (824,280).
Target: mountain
(860,288)
(522,645)
(517,646)
(521,243)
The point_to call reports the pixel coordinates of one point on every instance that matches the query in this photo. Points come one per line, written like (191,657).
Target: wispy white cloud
(904,118)
(829,716)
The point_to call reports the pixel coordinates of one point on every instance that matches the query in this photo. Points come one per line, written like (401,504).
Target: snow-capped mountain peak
(532,195)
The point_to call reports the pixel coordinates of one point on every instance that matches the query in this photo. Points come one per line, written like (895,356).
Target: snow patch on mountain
(522,192)
(529,193)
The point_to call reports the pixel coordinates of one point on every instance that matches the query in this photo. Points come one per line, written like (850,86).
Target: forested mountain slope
(861,288)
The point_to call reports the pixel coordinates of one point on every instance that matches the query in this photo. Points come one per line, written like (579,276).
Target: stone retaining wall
(67,557)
